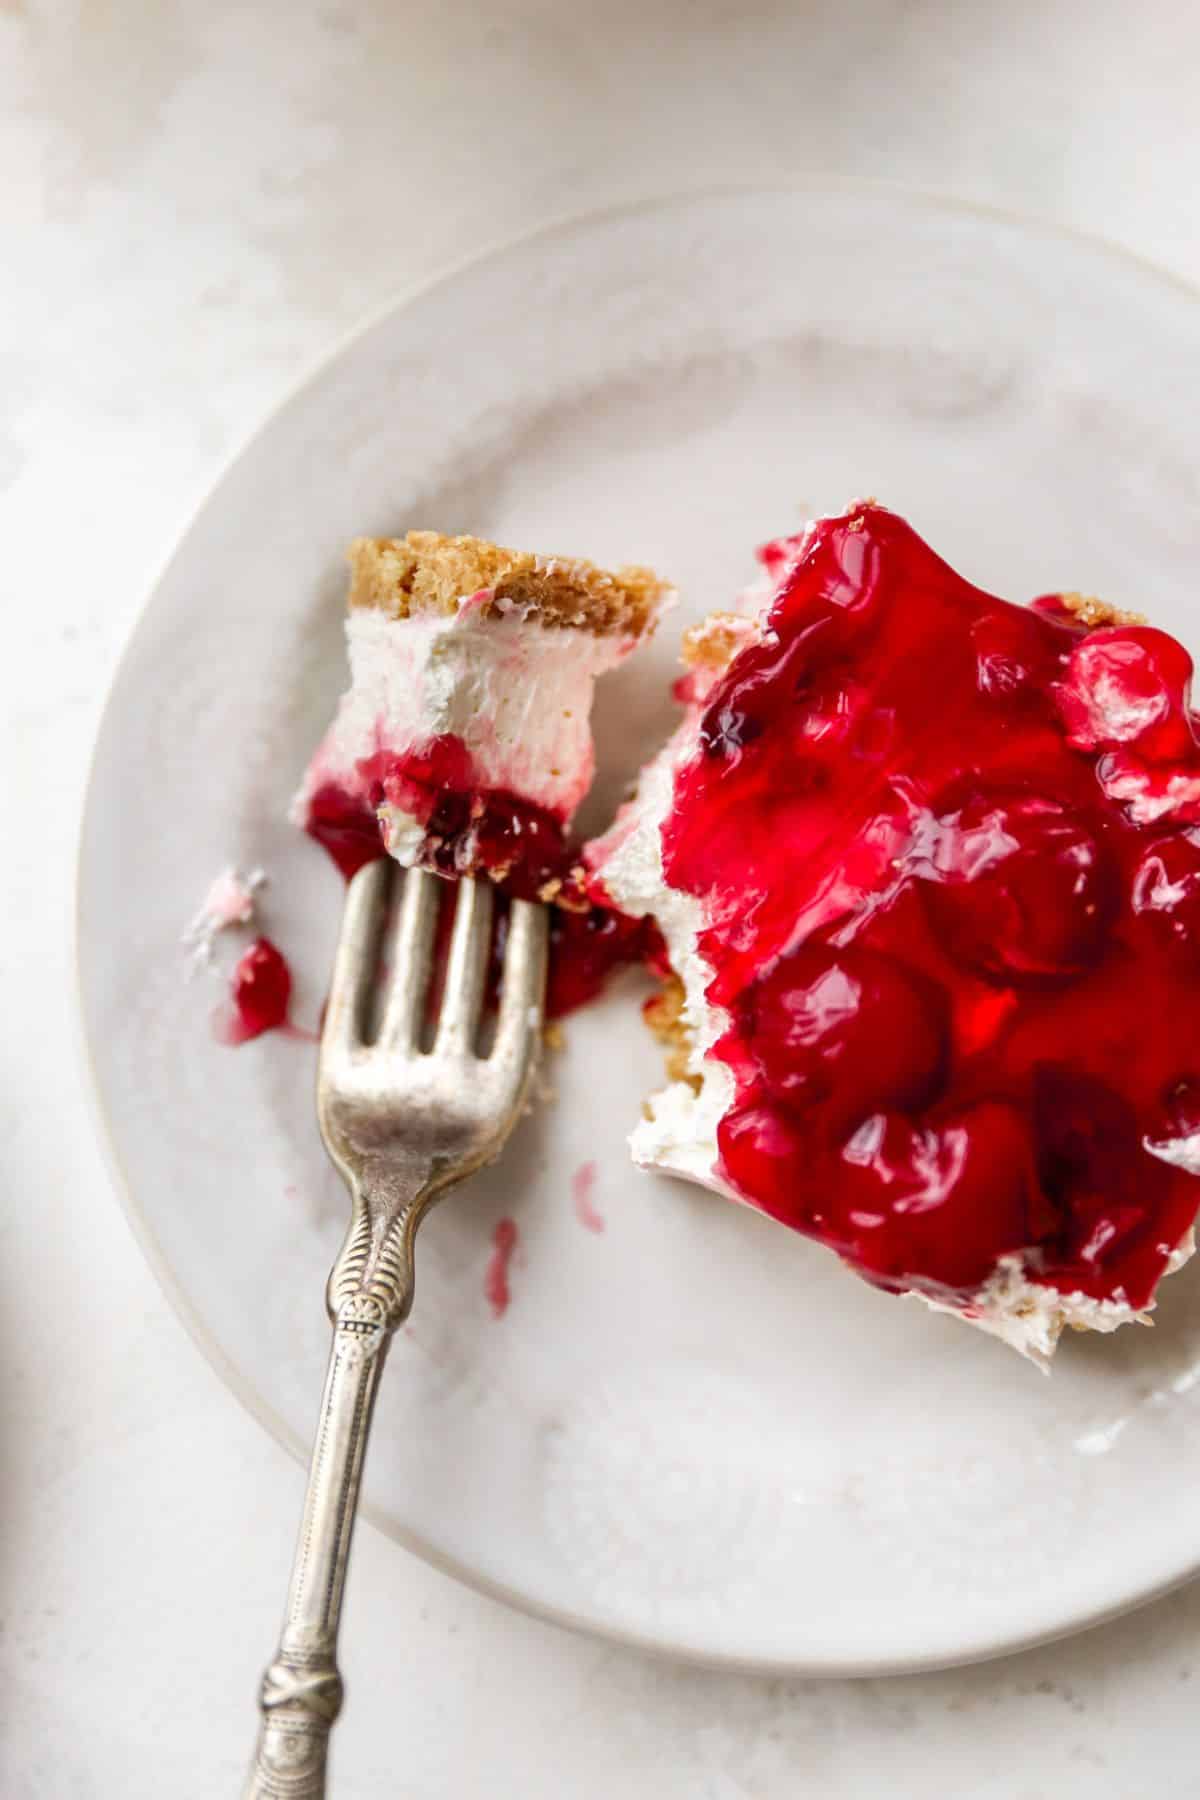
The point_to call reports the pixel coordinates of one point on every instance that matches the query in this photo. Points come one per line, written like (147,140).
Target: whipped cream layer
(678,1132)
(516,694)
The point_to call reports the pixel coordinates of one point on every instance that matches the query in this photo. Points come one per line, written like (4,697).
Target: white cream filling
(517,693)
(1031,1317)
(679,1135)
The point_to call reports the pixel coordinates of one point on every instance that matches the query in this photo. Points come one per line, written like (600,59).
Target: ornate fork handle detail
(370,1292)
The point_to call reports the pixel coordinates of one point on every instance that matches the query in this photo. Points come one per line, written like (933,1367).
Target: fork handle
(301,1692)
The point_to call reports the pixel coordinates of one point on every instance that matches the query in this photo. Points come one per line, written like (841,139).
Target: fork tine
(523,989)
(411,951)
(354,961)
(466,970)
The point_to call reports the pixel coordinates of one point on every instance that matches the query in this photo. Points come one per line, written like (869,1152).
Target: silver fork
(402,1125)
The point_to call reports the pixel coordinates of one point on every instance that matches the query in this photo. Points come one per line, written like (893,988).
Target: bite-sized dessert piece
(928,869)
(463,744)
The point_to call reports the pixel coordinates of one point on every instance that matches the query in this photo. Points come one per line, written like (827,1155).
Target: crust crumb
(1093,612)
(858,510)
(715,641)
(663,1014)
(572,893)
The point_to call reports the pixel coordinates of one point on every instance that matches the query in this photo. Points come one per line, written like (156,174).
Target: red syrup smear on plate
(260,992)
(496,1290)
(583,1186)
(473,830)
(947,852)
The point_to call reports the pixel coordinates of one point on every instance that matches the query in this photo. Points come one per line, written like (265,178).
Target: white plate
(694,1430)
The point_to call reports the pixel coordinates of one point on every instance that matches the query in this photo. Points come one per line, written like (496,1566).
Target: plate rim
(239,1385)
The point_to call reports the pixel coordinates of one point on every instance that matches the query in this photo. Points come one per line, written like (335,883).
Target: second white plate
(691,1429)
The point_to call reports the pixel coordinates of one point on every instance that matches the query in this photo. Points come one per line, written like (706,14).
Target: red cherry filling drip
(469,829)
(260,992)
(586,948)
(476,830)
(954,919)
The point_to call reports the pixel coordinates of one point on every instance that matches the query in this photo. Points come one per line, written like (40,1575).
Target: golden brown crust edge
(424,572)
(663,1014)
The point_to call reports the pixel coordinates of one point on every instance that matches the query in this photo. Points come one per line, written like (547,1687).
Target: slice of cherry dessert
(928,869)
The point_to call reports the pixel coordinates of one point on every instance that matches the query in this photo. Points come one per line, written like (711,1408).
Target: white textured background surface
(195,202)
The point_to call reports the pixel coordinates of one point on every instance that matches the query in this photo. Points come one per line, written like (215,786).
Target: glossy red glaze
(586,948)
(344,827)
(839,1034)
(954,917)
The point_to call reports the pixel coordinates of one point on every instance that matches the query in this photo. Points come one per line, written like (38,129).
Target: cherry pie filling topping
(948,852)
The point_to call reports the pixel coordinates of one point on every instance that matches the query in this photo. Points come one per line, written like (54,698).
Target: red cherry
(1090,1162)
(1152,793)
(1018,651)
(515,840)
(768,1157)
(345,826)
(937,1206)
(1165,890)
(844,1032)
(440,763)
(1128,685)
(1019,888)
(432,781)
